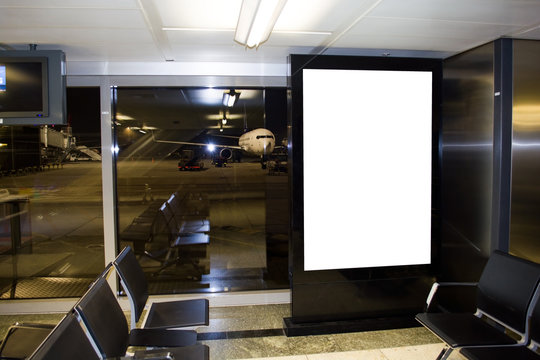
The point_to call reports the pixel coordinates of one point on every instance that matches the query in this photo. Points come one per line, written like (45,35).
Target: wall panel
(525,206)
(467,162)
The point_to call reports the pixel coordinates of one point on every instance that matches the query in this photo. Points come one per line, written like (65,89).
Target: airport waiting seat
(103,318)
(523,352)
(505,291)
(183,247)
(190,213)
(67,341)
(171,314)
(22,339)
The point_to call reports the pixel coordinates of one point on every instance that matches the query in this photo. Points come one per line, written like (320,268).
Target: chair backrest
(103,317)
(67,341)
(169,226)
(174,202)
(534,323)
(506,288)
(133,282)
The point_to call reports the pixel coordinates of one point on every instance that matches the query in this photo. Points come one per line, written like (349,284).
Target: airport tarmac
(65,215)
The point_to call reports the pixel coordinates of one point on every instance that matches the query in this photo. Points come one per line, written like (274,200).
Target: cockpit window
(265,136)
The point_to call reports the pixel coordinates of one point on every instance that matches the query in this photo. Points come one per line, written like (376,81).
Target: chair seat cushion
(463,329)
(178,313)
(500,353)
(162,337)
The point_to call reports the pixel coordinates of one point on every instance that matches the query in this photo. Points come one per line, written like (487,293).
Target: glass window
(51,208)
(201,214)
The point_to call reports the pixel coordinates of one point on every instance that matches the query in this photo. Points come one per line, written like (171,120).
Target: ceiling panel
(103,4)
(107,53)
(200,37)
(199,14)
(230,53)
(70,18)
(317,15)
(396,27)
(88,37)
(509,12)
(407,42)
(289,40)
(532,34)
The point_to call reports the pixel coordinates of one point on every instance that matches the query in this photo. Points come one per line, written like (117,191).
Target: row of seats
(96,327)
(506,324)
(175,232)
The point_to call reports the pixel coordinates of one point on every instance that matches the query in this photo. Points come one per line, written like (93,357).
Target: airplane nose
(268,146)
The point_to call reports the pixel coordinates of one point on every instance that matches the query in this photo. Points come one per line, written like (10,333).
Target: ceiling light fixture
(230,98)
(256,21)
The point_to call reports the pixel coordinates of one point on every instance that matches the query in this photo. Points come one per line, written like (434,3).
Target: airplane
(260,142)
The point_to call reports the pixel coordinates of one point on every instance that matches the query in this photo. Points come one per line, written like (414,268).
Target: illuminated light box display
(367,168)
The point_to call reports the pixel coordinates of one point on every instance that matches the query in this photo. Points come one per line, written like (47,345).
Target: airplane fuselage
(258,142)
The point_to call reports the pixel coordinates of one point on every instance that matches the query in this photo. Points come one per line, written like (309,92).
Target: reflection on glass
(51,209)
(201,213)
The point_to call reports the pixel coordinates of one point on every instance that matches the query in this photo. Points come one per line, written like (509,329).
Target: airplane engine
(225,153)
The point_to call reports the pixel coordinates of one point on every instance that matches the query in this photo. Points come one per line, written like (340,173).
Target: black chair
(505,290)
(23,338)
(107,325)
(524,352)
(190,220)
(67,341)
(171,314)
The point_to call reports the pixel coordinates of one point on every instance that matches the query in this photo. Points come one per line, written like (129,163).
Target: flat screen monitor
(32,87)
(23,87)
(367,168)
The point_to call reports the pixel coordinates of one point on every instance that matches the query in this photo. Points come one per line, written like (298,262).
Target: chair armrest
(437,285)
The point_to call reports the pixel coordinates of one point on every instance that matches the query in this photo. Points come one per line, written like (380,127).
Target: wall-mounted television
(32,88)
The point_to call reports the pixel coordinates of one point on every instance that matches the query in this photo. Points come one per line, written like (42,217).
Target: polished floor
(256,332)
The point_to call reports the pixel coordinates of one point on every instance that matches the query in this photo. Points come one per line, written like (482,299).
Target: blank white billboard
(367,168)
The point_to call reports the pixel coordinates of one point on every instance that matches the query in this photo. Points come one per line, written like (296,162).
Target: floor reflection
(66,248)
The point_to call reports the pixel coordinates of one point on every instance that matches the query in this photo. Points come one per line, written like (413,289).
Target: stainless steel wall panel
(467,160)
(525,203)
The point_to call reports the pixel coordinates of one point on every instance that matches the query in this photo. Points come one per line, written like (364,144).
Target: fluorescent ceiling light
(172,28)
(288,32)
(256,21)
(230,98)
(122,117)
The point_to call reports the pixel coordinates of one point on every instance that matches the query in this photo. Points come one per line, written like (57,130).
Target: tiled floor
(420,352)
(256,332)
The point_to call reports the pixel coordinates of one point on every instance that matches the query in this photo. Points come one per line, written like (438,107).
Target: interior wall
(525,201)
(466,150)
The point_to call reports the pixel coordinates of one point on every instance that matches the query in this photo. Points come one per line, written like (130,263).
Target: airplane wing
(226,136)
(195,144)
